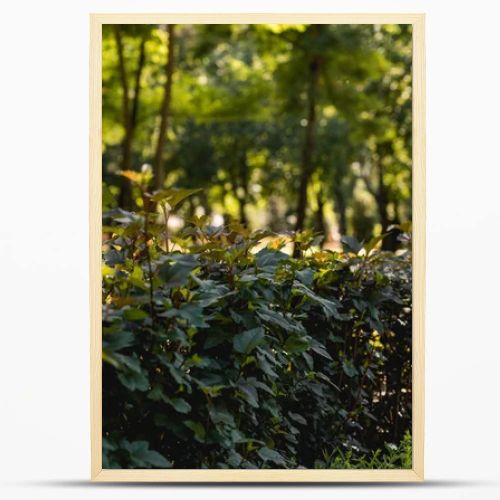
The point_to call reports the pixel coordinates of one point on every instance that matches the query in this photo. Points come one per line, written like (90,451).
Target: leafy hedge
(222,352)
(391,457)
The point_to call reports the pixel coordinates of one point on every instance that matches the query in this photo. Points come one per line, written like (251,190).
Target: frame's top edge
(219,18)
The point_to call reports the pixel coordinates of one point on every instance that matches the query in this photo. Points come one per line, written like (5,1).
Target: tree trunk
(129,113)
(390,242)
(238,180)
(242,216)
(244,186)
(320,222)
(158,163)
(309,143)
(382,199)
(125,198)
(137,86)
(125,97)
(340,209)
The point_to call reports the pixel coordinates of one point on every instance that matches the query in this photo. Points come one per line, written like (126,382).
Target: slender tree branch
(137,87)
(159,173)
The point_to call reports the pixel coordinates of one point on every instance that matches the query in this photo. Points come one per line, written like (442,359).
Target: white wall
(44,365)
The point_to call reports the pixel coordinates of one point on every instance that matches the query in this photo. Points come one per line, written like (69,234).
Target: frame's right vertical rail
(419,246)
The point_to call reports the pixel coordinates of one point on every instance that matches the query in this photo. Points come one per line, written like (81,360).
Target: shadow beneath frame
(430,484)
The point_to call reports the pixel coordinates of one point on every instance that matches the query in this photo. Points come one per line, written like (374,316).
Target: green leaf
(180,405)
(156,393)
(117,341)
(318,349)
(142,456)
(197,428)
(349,369)
(269,259)
(108,200)
(247,341)
(173,196)
(277,319)
(329,306)
(352,243)
(250,394)
(269,455)
(176,274)
(131,362)
(373,242)
(265,366)
(295,344)
(192,313)
(238,437)
(309,360)
(305,276)
(234,459)
(153,458)
(134,381)
(135,314)
(177,374)
(221,416)
(297,418)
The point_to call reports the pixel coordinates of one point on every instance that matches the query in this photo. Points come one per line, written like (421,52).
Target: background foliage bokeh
(283,126)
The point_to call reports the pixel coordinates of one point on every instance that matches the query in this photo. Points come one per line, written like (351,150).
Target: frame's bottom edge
(184,476)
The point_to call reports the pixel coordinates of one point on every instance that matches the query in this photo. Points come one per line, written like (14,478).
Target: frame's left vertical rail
(95,230)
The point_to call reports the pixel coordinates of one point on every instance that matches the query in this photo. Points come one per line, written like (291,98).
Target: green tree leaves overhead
(287,126)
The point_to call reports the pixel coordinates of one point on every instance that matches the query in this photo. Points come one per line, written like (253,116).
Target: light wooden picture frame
(418,294)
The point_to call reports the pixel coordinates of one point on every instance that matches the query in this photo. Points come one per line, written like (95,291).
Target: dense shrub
(221,350)
(390,457)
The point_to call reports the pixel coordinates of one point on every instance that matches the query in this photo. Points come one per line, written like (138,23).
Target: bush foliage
(222,351)
(390,457)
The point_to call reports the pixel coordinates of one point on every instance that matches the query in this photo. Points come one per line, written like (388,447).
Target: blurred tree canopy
(288,127)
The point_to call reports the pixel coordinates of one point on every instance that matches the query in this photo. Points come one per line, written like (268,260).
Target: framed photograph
(257,247)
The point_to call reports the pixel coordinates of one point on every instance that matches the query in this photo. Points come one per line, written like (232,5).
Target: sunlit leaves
(133,314)
(141,179)
(173,197)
